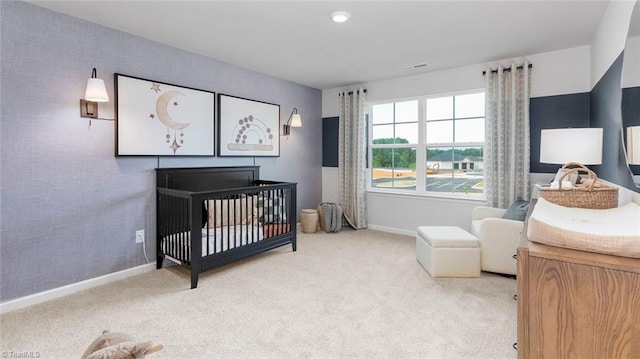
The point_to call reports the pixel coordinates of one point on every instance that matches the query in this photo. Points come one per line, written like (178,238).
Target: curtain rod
(507,69)
(351,92)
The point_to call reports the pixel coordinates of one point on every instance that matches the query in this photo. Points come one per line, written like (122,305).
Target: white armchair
(498,239)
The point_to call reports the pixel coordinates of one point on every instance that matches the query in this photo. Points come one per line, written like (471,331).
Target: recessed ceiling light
(340,16)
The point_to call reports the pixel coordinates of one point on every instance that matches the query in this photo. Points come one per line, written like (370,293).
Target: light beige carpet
(355,294)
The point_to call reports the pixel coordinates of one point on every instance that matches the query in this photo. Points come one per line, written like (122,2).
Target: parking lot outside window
(429,145)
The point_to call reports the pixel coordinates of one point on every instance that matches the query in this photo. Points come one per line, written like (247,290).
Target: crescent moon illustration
(163,114)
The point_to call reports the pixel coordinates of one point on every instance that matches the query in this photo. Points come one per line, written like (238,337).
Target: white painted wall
(631,62)
(330,188)
(610,37)
(560,72)
(554,73)
(403,214)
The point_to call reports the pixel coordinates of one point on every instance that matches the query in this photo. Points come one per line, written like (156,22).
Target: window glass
(439,108)
(439,132)
(407,133)
(451,148)
(471,105)
(393,168)
(382,113)
(407,111)
(469,130)
(454,170)
(382,132)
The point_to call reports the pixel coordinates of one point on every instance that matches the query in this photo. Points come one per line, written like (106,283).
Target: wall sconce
(294,121)
(95,92)
(633,145)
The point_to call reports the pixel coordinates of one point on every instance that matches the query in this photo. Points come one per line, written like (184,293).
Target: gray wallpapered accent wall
(69,208)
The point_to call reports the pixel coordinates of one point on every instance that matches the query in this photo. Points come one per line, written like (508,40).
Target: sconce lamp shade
(633,145)
(293,121)
(583,145)
(296,121)
(96,91)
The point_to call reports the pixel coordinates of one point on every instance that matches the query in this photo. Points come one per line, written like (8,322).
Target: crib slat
(206,206)
(186,237)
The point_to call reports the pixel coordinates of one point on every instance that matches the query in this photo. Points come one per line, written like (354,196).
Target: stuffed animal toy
(114,345)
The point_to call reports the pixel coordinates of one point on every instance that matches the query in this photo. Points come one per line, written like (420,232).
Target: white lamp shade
(296,121)
(633,145)
(583,145)
(96,91)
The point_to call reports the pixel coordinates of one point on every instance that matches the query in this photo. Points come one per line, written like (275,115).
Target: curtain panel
(352,157)
(507,145)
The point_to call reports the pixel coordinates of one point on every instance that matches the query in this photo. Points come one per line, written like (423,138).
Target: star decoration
(155,87)
(175,103)
(152,116)
(174,146)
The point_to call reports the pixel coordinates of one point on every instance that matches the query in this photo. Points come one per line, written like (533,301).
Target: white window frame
(421,148)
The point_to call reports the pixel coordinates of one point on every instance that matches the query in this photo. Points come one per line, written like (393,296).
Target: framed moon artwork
(247,127)
(159,119)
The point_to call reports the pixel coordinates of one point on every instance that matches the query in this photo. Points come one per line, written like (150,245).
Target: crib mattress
(220,239)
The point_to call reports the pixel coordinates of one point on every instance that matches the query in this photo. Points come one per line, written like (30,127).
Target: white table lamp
(564,145)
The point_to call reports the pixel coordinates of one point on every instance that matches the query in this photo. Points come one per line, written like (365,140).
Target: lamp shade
(559,146)
(96,91)
(633,145)
(296,121)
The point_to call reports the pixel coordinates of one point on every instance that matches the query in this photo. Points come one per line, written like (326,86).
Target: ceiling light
(340,16)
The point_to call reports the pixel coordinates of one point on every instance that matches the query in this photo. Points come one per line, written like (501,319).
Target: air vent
(419,66)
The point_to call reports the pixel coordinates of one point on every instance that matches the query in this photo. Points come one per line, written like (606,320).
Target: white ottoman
(446,251)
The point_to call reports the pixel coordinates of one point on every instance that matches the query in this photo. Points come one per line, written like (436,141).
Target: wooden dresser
(576,304)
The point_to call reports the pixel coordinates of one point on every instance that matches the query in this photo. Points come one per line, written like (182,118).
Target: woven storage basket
(595,195)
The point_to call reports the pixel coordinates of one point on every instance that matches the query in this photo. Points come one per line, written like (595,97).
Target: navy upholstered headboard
(207,178)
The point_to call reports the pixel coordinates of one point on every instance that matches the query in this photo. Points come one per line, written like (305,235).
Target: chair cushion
(475,227)
(517,211)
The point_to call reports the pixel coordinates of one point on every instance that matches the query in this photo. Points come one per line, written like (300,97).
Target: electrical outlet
(140,236)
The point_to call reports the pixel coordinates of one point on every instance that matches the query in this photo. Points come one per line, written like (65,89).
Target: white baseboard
(392,230)
(47,295)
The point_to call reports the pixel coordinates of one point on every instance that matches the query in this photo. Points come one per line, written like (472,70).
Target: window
(394,128)
(429,145)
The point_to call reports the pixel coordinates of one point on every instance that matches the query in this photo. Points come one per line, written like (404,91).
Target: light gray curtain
(506,152)
(352,157)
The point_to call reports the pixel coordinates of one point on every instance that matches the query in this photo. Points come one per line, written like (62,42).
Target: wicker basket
(309,220)
(595,195)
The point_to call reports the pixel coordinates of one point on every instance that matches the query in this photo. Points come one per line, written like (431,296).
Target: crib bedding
(220,239)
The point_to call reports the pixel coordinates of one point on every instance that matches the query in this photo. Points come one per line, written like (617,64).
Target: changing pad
(613,231)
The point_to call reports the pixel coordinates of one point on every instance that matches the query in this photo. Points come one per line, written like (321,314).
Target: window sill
(429,195)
